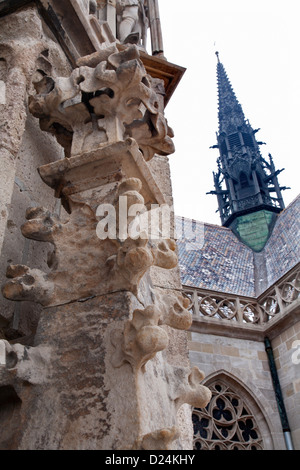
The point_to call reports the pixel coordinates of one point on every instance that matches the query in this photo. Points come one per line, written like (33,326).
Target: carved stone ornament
(161,439)
(102,265)
(23,364)
(107,98)
(191,390)
(143,336)
(141,340)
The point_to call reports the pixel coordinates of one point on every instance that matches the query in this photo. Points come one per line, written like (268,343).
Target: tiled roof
(211,257)
(218,262)
(282,251)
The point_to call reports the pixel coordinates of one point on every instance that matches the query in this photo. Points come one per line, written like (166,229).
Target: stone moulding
(111,164)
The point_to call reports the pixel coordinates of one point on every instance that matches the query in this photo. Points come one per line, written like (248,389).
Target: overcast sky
(258,42)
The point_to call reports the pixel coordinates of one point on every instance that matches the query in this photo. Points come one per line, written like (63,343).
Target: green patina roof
(254,229)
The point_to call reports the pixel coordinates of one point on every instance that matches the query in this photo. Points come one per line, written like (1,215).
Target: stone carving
(132,21)
(159,440)
(228,422)
(109,117)
(23,364)
(129,190)
(135,256)
(190,390)
(174,310)
(21,42)
(141,340)
(101,265)
(143,337)
(28,284)
(165,253)
(63,283)
(107,98)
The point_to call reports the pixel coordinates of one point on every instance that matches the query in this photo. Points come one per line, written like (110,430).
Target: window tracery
(226,423)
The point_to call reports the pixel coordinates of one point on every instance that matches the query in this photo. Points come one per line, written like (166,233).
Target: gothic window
(226,423)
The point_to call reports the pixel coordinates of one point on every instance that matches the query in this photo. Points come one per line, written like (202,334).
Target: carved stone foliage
(141,339)
(109,117)
(143,335)
(107,98)
(22,364)
(83,265)
(174,310)
(191,391)
(161,439)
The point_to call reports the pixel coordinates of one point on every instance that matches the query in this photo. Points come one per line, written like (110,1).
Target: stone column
(155,28)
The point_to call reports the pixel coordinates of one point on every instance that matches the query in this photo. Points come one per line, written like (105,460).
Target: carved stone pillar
(104,338)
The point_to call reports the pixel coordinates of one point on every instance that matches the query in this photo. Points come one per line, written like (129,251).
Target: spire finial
(217,54)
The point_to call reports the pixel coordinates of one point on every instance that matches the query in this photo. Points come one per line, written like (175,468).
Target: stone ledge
(108,164)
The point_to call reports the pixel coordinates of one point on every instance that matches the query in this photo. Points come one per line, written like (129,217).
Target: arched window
(226,423)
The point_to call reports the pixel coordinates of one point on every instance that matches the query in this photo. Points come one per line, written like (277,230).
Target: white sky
(258,42)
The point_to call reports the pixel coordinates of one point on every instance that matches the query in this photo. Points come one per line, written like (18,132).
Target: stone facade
(286,354)
(244,364)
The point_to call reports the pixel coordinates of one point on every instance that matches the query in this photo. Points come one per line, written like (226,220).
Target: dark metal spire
(231,115)
(245,182)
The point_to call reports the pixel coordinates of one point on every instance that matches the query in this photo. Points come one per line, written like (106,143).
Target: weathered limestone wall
(29,191)
(20,46)
(27,49)
(286,349)
(246,362)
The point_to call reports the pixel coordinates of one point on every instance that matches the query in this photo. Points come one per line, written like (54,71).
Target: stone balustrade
(255,313)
